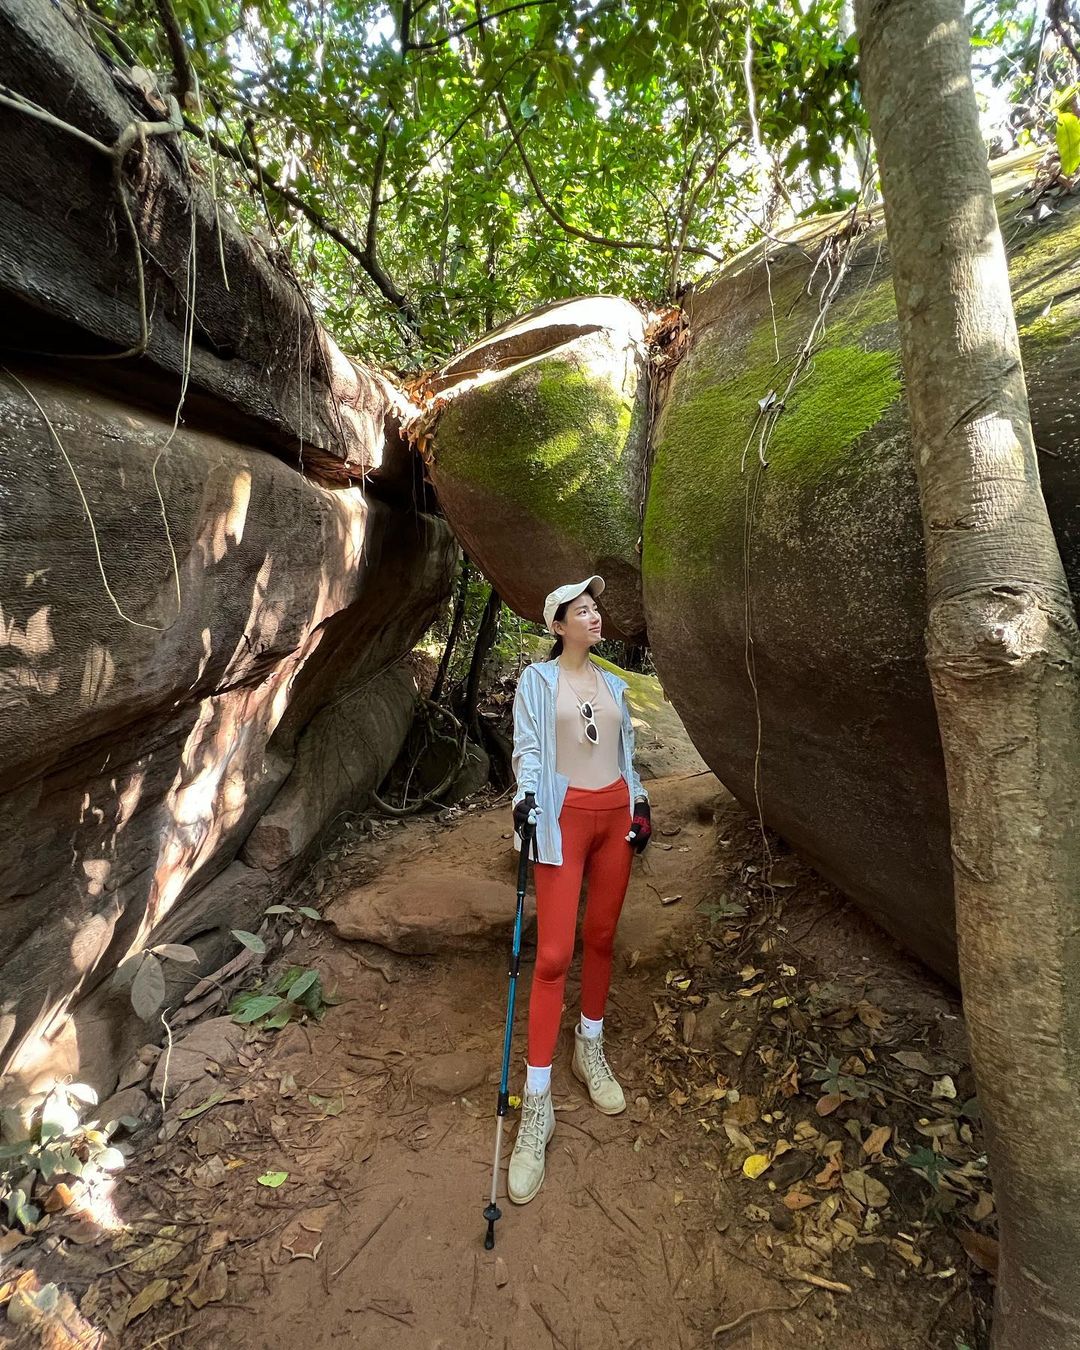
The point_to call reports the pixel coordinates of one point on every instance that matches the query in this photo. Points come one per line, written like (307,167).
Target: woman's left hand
(640,827)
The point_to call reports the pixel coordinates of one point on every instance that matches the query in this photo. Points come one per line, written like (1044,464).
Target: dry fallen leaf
(145,1299)
(303,1237)
(875,1141)
(866,1189)
(502,1275)
(755,1164)
(212,1287)
(983,1250)
(166,1247)
(911,1059)
(797,1199)
(827,1105)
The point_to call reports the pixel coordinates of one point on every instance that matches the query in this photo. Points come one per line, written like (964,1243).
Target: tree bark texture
(1003,652)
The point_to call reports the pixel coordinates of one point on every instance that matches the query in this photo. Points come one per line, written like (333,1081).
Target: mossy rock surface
(538,458)
(825,545)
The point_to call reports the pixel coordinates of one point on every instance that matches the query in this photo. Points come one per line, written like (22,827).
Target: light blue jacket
(534,751)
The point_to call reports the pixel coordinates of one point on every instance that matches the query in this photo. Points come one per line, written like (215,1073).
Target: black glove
(522,824)
(640,826)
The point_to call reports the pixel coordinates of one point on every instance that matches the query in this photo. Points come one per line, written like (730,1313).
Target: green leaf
(310,913)
(148,988)
(931,1165)
(278,909)
(1068,142)
(69,1162)
(250,940)
(254,1008)
(272,1179)
(125,972)
(58,1116)
(329,1106)
(281,1018)
(46,1298)
(82,1092)
(176,951)
(302,984)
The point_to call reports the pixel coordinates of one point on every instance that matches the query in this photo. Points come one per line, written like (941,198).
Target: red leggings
(594,825)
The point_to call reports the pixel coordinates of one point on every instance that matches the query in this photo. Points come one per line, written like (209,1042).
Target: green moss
(552,438)
(712,425)
(643,692)
(697,492)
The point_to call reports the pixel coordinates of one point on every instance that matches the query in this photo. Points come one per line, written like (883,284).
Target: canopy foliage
(432,167)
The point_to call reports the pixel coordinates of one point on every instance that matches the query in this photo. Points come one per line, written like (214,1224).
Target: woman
(577,788)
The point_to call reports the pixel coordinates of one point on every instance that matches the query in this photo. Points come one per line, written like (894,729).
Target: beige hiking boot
(591,1066)
(534,1134)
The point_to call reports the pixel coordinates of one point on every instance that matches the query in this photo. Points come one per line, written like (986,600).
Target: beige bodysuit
(586,765)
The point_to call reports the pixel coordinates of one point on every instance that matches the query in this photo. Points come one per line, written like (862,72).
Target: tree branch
(183,79)
(478,22)
(369,264)
(376,188)
(564,224)
(1058,16)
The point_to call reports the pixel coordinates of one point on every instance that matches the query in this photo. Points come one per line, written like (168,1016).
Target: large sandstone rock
(194,632)
(69,284)
(538,457)
(850,764)
(140,741)
(428,912)
(661,745)
(345,751)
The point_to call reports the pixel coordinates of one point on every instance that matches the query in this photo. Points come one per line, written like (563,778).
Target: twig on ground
(347,1263)
(605,1211)
(556,1339)
(169,1335)
(757,1312)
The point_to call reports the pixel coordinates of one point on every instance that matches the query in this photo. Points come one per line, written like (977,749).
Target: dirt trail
(641,1236)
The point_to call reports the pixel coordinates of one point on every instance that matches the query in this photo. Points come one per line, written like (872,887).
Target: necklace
(595,689)
(587,706)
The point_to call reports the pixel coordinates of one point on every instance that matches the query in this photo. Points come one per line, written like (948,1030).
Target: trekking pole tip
(491,1213)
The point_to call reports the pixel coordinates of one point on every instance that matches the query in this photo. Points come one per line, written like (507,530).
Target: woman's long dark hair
(558,617)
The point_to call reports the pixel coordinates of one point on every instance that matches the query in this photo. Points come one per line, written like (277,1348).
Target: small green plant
(304,911)
(144,972)
(294,996)
(836,1083)
(57,1146)
(723,910)
(929,1165)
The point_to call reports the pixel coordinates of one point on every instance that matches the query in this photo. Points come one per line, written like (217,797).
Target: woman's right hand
(522,810)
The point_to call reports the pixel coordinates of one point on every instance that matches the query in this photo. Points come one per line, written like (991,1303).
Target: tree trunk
(455,629)
(1003,652)
(485,640)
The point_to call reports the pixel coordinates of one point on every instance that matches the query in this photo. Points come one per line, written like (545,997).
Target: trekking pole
(492,1211)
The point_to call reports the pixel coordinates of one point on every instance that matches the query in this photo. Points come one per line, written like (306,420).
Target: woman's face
(581,627)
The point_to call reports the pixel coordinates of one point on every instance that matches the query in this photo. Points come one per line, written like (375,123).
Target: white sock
(591,1027)
(537,1080)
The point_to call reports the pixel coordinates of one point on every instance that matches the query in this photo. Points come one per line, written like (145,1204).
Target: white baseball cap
(564,594)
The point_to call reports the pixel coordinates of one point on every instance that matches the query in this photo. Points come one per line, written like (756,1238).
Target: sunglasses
(591,733)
